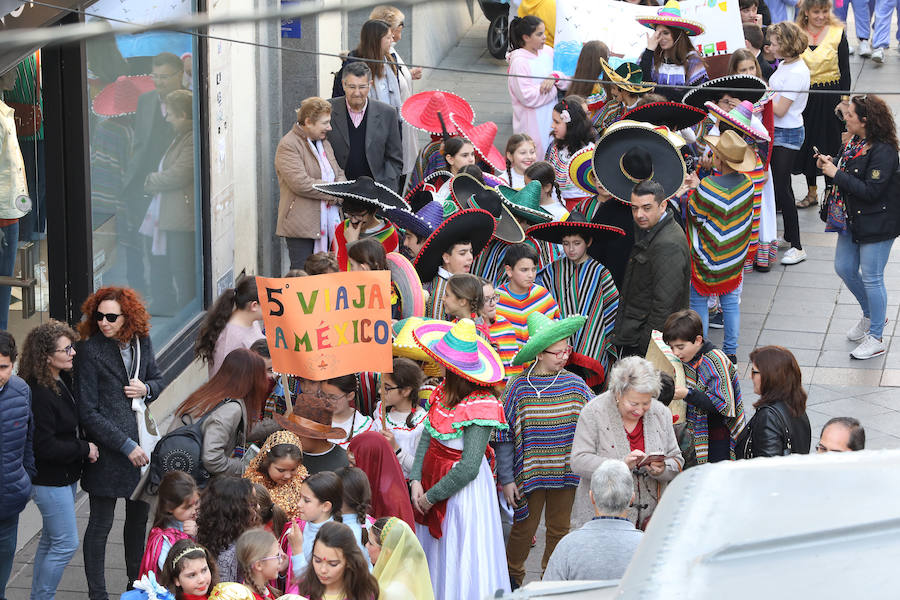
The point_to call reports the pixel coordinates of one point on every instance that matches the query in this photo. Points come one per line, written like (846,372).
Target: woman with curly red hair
(114,365)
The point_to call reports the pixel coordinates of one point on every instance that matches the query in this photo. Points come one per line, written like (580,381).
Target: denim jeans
(59,538)
(99,524)
(9,530)
(861,268)
(884,12)
(9,244)
(33,225)
(731,314)
(860,16)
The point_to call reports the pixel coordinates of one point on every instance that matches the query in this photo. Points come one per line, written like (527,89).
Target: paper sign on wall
(328,325)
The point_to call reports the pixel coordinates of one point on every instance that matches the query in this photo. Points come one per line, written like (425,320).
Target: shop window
(144,162)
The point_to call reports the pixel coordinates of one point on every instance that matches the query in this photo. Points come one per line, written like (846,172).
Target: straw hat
(573,224)
(405,345)
(458,347)
(740,117)
(733,150)
(474,225)
(741,86)
(407,283)
(421,111)
(673,115)
(526,203)
(581,170)
(482,137)
(627,76)
(543,332)
(670,16)
(468,192)
(365,190)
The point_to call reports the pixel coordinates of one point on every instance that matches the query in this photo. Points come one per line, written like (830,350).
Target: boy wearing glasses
(715,411)
(542,405)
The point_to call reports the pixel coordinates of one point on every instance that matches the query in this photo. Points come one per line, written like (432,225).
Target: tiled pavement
(804,307)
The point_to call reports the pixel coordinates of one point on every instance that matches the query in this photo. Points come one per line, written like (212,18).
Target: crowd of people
(530,303)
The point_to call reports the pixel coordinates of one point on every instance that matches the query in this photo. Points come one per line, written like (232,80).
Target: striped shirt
(516,307)
(28,90)
(384,233)
(713,374)
(503,338)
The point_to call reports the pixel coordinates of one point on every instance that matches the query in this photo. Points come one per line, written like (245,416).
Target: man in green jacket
(658,274)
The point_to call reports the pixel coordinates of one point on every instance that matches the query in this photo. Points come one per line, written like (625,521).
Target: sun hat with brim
(673,115)
(526,203)
(408,285)
(742,87)
(421,111)
(574,224)
(482,137)
(543,332)
(422,223)
(468,192)
(473,225)
(630,152)
(739,117)
(405,345)
(581,170)
(627,76)
(311,418)
(120,97)
(365,190)
(733,150)
(460,349)
(423,192)
(670,16)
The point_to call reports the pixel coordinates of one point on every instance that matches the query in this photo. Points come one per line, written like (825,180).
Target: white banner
(615,23)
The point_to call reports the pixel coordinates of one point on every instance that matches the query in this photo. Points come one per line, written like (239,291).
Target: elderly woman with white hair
(627,423)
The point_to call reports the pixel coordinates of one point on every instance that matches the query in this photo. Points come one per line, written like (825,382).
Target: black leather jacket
(765,435)
(873,205)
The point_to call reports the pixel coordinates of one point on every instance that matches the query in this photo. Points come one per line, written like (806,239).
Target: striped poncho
(385,233)
(516,307)
(503,339)
(719,226)
(542,412)
(547,251)
(489,262)
(713,374)
(434,308)
(611,112)
(587,289)
(758,176)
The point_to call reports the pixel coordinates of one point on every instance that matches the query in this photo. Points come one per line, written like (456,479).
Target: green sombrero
(627,76)
(543,332)
(526,203)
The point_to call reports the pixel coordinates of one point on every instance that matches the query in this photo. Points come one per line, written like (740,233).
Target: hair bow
(154,590)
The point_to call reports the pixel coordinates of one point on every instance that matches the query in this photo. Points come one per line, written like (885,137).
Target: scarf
(834,207)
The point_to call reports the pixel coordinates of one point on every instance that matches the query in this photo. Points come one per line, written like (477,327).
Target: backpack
(180,450)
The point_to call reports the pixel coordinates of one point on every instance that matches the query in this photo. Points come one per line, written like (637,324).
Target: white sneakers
(869,348)
(878,55)
(793,256)
(859,331)
(864,49)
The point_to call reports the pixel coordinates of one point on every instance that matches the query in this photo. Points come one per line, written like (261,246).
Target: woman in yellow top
(545,10)
(828,60)
(279,468)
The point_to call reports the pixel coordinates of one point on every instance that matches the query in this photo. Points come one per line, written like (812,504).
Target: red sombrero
(121,96)
(482,137)
(421,110)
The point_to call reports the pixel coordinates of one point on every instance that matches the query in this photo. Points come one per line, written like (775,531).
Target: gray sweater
(601,549)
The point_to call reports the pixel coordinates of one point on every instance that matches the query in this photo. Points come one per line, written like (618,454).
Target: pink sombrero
(482,137)
(670,16)
(740,117)
(458,347)
(408,285)
(121,96)
(421,110)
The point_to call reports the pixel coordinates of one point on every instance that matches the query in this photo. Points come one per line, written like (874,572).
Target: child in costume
(521,152)
(400,565)
(189,572)
(398,415)
(261,560)
(175,520)
(279,468)
(357,503)
(341,570)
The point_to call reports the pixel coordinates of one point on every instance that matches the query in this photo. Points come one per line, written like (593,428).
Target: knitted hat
(574,224)
(670,16)
(421,111)
(482,137)
(627,76)
(673,115)
(458,347)
(121,96)
(365,190)
(406,281)
(581,170)
(543,332)
(739,117)
(526,203)
(733,150)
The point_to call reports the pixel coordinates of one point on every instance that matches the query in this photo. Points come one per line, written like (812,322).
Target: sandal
(810,200)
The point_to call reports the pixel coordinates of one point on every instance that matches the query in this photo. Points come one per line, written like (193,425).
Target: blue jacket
(16,454)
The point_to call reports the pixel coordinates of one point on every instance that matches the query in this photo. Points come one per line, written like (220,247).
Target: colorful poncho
(719,226)
(386,234)
(478,408)
(713,374)
(434,308)
(515,308)
(503,339)
(587,289)
(611,112)
(489,262)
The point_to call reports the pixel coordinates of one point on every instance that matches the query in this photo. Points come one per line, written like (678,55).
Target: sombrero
(408,285)
(575,223)
(742,87)
(732,149)
(365,190)
(311,418)
(526,203)
(670,16)
(474,225)
(630,152)
(405,345)
(423,192)
(581,170)
(740,117)
(469,193)
(482,137)
(543,332)
(422,222)
(121,96)
(460,349)
(673,115)
(627,76)
(421,110)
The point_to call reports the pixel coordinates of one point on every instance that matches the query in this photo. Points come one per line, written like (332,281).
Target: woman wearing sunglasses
(114,365)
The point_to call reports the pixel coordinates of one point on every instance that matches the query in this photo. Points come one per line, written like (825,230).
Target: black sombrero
(575,223)
(742,87)
(473,225)
(468,192)
(630,152)
(673,115)
(365,190)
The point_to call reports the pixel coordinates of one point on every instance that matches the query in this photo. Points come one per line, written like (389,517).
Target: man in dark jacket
(658,274)
(16,455)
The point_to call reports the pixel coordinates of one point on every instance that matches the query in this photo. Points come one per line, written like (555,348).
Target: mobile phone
(650,458)
(815,151)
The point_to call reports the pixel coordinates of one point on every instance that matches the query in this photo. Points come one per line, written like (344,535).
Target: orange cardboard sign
(328,325)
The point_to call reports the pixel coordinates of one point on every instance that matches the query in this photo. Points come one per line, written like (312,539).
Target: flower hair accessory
(566,117)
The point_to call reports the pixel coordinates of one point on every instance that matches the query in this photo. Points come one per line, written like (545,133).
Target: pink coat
(532,110)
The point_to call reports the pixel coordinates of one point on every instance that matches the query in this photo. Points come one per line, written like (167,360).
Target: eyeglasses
(330,397)
(822,449)
(281,556)
(70,349)
(492,299)
(389,388)
(111,317)
(561,354)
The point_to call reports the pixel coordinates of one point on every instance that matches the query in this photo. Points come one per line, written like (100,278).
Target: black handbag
(744,442)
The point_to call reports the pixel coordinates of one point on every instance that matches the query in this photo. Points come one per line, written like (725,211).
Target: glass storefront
(144,139)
